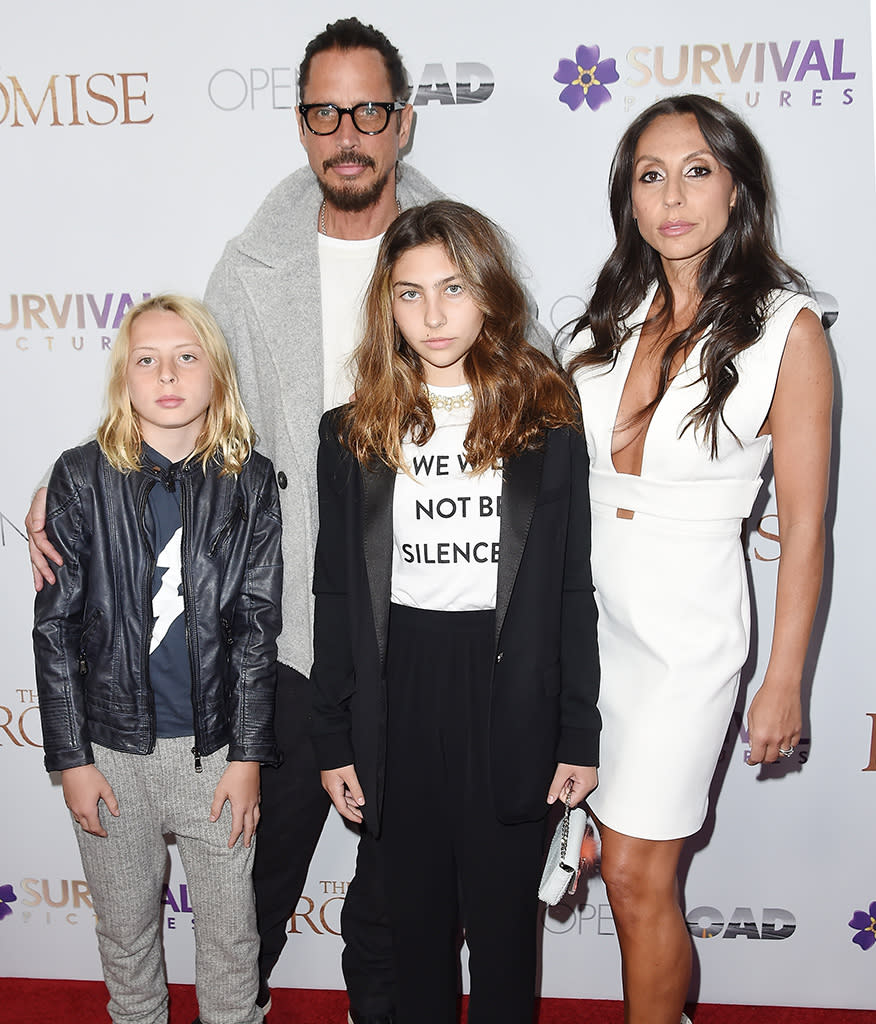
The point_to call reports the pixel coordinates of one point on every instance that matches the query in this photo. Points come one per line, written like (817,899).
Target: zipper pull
(83,664)
(197,757)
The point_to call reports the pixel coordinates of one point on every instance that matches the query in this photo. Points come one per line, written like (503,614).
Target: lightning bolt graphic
(167,604)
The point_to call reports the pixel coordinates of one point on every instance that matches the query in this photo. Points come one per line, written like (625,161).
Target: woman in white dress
(692,361)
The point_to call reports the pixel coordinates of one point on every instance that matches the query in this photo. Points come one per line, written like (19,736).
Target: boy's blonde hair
(228,436)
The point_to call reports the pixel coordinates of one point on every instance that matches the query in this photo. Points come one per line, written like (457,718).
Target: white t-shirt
(445,521)
(345,268)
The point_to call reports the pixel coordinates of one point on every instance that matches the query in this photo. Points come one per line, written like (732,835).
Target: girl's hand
(84,788)
(774,722)
(579,780)
(239,785)
(342,785)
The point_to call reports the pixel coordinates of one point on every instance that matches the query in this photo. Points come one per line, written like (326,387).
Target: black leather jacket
(92,628)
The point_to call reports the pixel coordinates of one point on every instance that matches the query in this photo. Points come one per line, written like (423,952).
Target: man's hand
(39,545)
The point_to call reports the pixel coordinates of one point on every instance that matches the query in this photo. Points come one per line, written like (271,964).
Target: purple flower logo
(585,78)
(864,921)
(7,896)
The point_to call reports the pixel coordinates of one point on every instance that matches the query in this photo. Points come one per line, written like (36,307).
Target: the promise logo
(62,100)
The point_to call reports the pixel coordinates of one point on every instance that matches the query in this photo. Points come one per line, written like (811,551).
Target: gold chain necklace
(322,227)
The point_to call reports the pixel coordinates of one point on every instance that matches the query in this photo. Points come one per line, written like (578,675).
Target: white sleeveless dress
(671,586)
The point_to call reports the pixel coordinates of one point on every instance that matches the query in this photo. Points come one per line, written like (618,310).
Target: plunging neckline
(632,346)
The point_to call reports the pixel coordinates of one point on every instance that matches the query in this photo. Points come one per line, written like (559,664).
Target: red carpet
(32,1001)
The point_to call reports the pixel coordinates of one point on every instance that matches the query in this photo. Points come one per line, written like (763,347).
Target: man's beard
(351,199)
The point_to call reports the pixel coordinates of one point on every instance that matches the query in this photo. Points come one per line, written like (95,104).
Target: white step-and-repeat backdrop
(134,140)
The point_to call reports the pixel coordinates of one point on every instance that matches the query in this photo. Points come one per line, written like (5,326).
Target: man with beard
(287,293)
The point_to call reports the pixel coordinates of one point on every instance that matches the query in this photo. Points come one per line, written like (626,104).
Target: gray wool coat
(265,293)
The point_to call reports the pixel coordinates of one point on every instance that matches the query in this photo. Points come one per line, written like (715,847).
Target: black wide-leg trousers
(447,859)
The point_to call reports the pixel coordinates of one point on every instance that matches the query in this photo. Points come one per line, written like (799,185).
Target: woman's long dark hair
(735,276)
(518,392)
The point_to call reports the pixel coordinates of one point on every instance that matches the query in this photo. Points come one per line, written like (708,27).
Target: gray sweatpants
(161,793)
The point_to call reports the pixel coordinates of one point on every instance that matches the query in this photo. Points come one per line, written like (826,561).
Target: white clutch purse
(573,843)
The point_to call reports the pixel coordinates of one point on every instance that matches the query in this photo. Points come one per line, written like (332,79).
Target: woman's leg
(640,876)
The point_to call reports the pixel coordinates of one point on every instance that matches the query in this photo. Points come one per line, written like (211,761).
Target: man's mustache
(349,156)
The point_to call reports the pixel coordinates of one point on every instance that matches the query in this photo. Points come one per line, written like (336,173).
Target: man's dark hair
(351,34)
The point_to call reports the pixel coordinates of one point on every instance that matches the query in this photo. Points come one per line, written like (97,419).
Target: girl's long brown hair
(518,393)
(735,277)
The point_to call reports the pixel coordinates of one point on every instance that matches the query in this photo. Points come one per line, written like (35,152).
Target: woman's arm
(799,421)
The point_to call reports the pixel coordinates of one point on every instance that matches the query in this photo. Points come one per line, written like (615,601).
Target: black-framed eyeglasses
(368,118)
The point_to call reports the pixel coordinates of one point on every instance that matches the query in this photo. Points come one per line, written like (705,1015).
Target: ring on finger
(786,752)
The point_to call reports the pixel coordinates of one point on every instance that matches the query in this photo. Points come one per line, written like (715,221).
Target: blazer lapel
(520,485)
(378,485)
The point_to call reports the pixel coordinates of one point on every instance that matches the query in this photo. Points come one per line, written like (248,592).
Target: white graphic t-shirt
(445,520)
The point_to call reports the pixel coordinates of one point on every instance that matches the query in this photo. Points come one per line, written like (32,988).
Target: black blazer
(546,670)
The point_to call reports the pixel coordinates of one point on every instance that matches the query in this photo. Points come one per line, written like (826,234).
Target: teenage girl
(155,656)
(456,669)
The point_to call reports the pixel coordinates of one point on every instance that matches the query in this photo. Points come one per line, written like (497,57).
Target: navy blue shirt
(169,667)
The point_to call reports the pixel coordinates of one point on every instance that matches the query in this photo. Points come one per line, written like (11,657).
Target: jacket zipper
(147,607)
(83,658)
(239,512)
(184,562)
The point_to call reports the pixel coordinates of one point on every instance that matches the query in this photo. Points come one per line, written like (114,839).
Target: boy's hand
(84,788)
(239,785)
